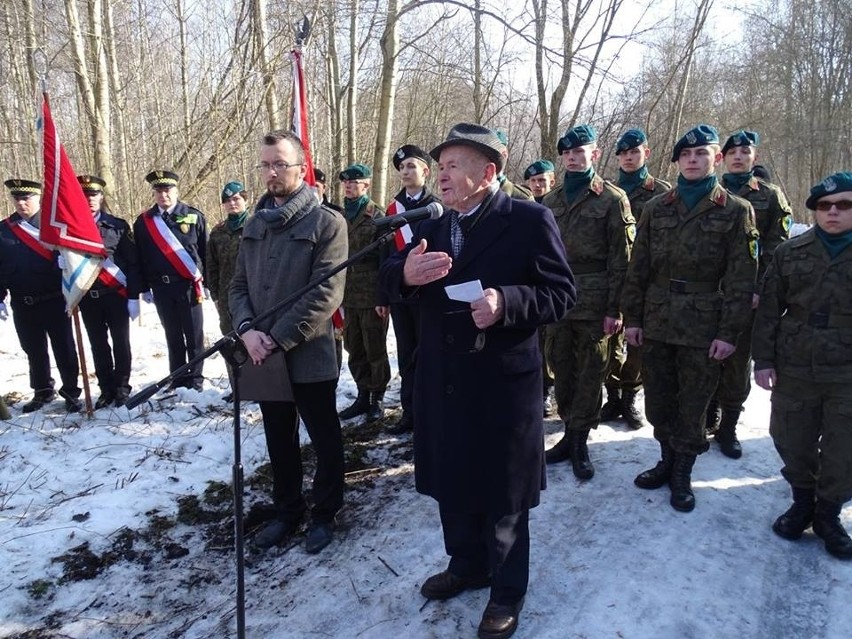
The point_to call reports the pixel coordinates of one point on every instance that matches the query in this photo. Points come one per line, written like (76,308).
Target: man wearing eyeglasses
(289,241)
(773,218)
(366,309)
(802,346)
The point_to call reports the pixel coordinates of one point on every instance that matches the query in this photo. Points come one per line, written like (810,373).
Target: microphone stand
(234,352)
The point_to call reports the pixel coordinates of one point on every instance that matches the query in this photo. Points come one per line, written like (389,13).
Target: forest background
(191,85)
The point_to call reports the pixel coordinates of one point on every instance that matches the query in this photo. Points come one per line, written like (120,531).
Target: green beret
(630,139)
(410,151)
(742,138)
(231,189)
(91,183)
(162,178)
(837,183)
(501,135)
(23,188)
(478,137)
(702,135)
(580,135)
(356,172)
(538,167)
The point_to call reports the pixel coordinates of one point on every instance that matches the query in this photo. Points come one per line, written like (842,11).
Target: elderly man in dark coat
(478,403)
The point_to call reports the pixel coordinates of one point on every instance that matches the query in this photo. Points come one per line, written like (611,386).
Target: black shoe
(376,409)
(726,435)
(228,398)
(106,398)
(612,409)
(38,402)
(72,404)
(446,585)
(275,532)
(629,411)
(561,450)
(404,425)
(798,517)
(682,499)
(121,395)
(319,536)
(580,462)
(827,527)
(659,475)
(499,621)
(197,385)
(358,407)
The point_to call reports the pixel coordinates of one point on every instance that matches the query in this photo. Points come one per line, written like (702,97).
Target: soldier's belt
(97,293)
(684,286)
(30,300)
(585,268)
(819,320)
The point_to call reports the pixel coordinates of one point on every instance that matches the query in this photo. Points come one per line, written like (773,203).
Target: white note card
(465,292)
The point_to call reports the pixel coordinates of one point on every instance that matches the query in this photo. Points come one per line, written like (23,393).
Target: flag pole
(81,353)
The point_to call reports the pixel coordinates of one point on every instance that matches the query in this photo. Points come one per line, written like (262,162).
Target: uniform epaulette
(650,183)
(720,198)
(670,196)
(754,183)
(220,225)
(802,240)
(597,185)
(328,209)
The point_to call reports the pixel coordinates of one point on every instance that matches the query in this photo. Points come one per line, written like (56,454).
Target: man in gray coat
(291,240)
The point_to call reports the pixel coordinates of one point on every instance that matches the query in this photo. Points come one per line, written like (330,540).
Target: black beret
(741,138)
(409,151)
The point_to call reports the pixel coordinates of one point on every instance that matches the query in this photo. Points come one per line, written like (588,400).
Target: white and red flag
(66,220)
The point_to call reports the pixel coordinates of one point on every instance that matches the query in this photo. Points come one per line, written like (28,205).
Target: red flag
(300,113)
(66,220)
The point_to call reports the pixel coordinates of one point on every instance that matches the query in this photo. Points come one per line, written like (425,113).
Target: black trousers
(106,317)
(480,544)
(406,326)
(316,404)
(183,320)
(36,322)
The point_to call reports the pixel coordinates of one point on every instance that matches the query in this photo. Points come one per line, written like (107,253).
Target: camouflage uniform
(690,281)
(803,329)
(222,247)
(773,217)
(364,332)
(516,191)
(623,371)
(597,230)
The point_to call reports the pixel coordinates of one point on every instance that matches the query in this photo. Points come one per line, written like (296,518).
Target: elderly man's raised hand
(423,268)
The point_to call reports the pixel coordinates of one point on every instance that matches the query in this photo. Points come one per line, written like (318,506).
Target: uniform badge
(829,184)
(787,223)
(690,137)
(631,232)
(400,154)
(753,248)
(184,228)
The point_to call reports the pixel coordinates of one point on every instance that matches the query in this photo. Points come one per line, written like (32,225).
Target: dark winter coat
(478,440)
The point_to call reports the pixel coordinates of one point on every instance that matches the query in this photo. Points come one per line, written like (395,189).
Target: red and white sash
(402,235)
(174,252)
(28,234)
(113,277)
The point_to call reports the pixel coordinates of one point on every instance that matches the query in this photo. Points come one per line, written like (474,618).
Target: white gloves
(60,262)
(207,293)
(4,314)
(133,309)
(147,297)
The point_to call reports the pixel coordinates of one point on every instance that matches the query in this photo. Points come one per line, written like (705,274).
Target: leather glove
(147,297)
(133,309)
(4,314)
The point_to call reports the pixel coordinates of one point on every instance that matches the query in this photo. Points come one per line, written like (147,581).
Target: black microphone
(430,212)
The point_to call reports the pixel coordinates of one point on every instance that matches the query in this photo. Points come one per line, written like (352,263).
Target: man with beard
(289,241)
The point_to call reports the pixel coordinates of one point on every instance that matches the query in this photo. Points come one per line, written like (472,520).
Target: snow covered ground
(115,498)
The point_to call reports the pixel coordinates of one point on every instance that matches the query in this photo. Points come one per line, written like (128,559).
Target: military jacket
(515,190)
(188,226)
(362,278)
(119,245)
(692,273)
(803,324)
(23,271)
(773,217)
(222,248)
(598,230)
(642,194)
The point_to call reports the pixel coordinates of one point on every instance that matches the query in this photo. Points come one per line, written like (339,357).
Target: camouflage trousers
(679,382)
(224,316)
(578,351)
(735,380)
(811,426)
(365,339)
(624,369)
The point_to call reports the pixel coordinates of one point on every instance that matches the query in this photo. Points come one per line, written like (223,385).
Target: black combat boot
(106,399)
(683,499)
(561,450)
(122,391)
(798,517)
(404,425)
(580,462)
(713,417)
(612,408)
(360,406)
(38,401)
(629,411)
(726,436)
(376,409)
(659,475)
(827,527)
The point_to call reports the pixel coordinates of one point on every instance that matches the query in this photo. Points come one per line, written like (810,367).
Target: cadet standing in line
(802,346)
(773,218)
(597,228)
(624,379)
(540,177)
(365,308)
(322,191)
(686,298)
(29,271)
(412,163)
(171,239)
(112,301)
